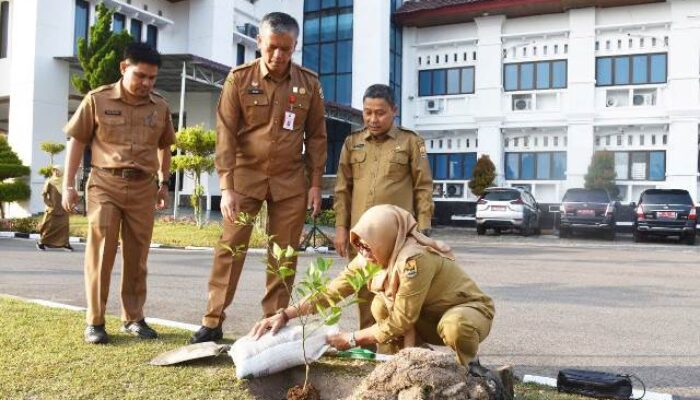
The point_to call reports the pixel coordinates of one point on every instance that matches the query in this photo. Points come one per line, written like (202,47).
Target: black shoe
(205,334)
(140,329)
(96,334)
(40,246)
(68,248)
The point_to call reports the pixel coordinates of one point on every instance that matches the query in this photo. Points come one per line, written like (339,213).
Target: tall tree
(11,169)
(99,57)
(601,173)
(483,176)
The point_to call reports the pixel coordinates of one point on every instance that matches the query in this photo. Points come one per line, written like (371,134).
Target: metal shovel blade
(190,352)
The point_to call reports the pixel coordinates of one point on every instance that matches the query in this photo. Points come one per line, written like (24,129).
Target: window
(152,36)
(536,166)
(82,22)
(118,22)
(337,132)
(437,82)
(640,165)
(452,166)
(136,29)
(4,27)
(328,46)
(240,54)
(535,75)
(625,70)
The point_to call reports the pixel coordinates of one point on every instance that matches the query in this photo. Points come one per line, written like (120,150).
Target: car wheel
(564,233)
(537,230)
(639,236)
(480,230)
(690,240)
(610,234)
(497,230)
(526,229)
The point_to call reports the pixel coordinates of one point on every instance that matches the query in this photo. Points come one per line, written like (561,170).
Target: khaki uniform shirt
(393,169)
(429,285)
(122,134)
(255,154)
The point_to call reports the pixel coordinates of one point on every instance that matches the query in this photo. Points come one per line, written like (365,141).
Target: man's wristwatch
(352,342)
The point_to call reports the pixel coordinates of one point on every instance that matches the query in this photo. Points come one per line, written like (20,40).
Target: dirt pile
(421,374)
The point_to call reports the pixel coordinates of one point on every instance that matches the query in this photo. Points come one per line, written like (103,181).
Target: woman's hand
(340,341)
(273,324)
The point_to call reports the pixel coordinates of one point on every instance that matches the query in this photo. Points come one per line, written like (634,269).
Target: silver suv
(507,208)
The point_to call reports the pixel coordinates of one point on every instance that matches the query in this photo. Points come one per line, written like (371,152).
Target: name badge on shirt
(289,120)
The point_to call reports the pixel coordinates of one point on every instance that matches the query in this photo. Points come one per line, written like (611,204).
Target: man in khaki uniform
(380,164)
(269,111)
(129,130)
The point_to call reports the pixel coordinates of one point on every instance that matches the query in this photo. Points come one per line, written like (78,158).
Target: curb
(80,240)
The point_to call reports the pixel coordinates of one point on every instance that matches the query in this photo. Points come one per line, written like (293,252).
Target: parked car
(665,212)
(507,208)
(587,209)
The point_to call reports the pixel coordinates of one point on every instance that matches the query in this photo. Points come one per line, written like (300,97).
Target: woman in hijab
(422,295)
(54,226)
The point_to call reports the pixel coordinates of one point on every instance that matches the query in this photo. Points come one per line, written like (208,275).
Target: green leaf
(285,272)
(290,252)
(276,251)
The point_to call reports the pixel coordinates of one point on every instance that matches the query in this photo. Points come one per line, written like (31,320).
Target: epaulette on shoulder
(244,66)
(308,71)
(153,92)
(102,88)
(401,128)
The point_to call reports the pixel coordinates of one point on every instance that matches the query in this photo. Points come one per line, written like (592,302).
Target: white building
(540,88)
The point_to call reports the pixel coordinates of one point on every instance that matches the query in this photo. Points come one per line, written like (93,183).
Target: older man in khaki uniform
(269,112)
(380,164)
(129,130)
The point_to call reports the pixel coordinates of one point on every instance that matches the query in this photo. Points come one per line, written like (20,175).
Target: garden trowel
(190,352)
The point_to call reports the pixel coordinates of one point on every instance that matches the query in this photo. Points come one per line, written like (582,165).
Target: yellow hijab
(391,232)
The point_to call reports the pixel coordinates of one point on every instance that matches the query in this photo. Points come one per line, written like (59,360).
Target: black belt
(125,173)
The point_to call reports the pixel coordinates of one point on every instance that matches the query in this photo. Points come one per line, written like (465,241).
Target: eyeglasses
(362,247)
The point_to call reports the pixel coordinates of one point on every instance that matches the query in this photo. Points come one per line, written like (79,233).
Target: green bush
(46,172)
(14,191)
(601,173)
(25,225)
(12,171)
(483,176)
(324,218)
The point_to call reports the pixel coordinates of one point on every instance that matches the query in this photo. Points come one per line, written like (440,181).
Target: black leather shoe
(140,329)
(40,246)
(96,334)
(205,334)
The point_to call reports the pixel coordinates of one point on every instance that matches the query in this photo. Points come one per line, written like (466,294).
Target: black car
(665,212)
(587,209)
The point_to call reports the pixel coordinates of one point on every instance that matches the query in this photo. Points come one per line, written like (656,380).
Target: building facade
(540,89)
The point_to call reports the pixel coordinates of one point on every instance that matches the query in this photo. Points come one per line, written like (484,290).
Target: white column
(38,85)
(409,78)
(683,95)
(370,46)
(489,91)
(211,28)
(580,95)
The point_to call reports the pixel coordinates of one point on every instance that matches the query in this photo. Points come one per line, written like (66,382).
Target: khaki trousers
(285,220)
(461,328)
(117,207)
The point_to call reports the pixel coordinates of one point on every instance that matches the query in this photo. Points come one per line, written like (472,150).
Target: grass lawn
(43,357)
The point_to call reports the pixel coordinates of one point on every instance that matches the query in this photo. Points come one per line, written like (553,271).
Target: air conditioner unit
(522,104)
(250,30)
(433,106)
(455,190)
(611,102)
(643,99)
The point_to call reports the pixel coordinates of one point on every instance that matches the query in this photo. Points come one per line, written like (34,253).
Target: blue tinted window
(118,22)
(453,81)
(345,26)
(136,29)
(467,80)
(543,165)
(327,58)
(559,74)
(603,71)
(311,30)
(310,56)
(431,161)
(559,164)
(328,83)
(658,68)
(510,77)
(82,13)
(344,56)
(527,76)
(327,3)
(344,89)
(639,69)
(312,5)
(469,163)
(240,54)
(425,79)
(543,75)
(456,168)
(622,70)
(152,36)
(328,28)
(528,166)
(441,166)
(439,81)
(657,166)
(344,3)
(512,165)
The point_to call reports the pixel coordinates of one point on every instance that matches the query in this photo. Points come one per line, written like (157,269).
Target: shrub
(25,225)
(483,176)
(601,173)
